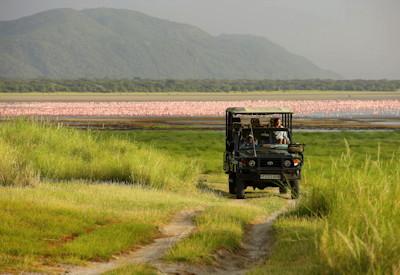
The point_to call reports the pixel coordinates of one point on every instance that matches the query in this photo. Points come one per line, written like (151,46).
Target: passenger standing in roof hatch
(280,136)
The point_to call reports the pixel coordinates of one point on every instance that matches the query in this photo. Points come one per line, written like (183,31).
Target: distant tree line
(171,85)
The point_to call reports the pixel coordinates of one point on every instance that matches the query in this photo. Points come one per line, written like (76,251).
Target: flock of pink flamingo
(301,108)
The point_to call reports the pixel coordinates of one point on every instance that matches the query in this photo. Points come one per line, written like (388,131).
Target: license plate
(270,177)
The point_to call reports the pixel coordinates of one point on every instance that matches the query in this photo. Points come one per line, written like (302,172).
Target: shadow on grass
(203,186)
(266,194)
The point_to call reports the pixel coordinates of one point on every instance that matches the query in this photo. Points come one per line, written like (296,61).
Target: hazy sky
(355,38)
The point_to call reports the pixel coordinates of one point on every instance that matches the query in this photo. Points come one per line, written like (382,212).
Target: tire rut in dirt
(254,250)
(180,227)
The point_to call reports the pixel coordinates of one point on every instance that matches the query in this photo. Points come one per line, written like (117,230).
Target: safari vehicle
(265,161)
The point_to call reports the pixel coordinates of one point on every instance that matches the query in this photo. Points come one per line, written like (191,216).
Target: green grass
(362,216)
(349,217)
(220,227)
(295,248)
(65,154)
(14,170)
(346,223)
(65,220)
(205,146)
(133,270)
(74,221)
(208,146)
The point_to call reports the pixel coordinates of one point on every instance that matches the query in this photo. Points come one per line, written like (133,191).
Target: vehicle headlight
(296,162)
(252,163)
(287,163)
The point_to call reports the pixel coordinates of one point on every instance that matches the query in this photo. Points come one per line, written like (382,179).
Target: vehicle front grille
(270,163)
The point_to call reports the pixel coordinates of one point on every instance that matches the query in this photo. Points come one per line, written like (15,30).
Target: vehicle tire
(232,183)
(295,186)
(240,189)
(282,189)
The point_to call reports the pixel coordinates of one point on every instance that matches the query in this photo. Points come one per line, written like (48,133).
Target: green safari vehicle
(260,151)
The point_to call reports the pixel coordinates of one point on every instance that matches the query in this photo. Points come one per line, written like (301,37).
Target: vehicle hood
(264,153)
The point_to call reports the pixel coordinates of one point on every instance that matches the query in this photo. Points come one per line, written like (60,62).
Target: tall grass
(64,154)
(358,201)
(205,146)
(14,171)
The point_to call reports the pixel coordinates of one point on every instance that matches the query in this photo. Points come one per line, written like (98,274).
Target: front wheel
(240,189)
(295,188)
(282,188)
(232,183)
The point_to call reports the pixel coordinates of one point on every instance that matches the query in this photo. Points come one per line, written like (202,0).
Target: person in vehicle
(280,136)
(255,122)
(249,142)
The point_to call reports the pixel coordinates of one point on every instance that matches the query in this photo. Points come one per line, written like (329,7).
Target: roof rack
(255,111)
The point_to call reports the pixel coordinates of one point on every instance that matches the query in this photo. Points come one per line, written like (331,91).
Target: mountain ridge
(117,43)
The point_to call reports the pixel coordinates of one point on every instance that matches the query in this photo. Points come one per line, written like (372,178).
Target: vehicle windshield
(263,138)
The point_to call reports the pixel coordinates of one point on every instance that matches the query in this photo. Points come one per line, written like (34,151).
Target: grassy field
(349,217)
(66,154)
(221,226)
(75,221)
(87,200)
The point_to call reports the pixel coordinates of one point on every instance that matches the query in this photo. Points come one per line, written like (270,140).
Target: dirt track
(255,248)
(177,229)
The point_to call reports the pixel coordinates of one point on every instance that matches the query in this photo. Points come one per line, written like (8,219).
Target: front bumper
(255,175)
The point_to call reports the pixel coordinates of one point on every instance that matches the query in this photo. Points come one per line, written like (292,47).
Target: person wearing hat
(249,141)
